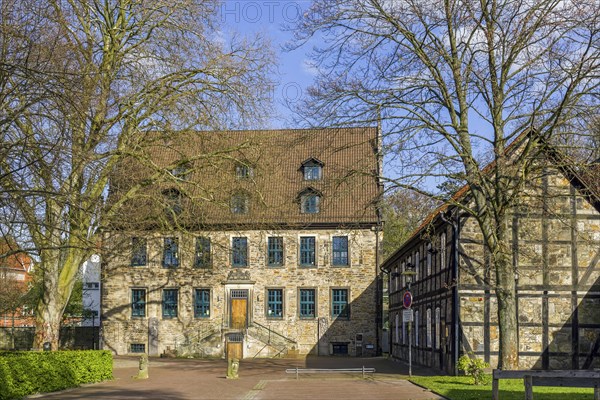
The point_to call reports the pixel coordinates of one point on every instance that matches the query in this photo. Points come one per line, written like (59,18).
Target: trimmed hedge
(27,372)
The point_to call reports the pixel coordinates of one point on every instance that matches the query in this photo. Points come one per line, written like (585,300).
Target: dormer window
(243,171)
(310,201)
(181,171)
(312,169)
(239,203)
(172,198)
(312,173)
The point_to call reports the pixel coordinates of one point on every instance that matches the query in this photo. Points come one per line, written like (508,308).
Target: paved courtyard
(260,379)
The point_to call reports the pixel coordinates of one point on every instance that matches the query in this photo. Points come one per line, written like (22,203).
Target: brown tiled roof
(348,184)
(591,179)
(586,179)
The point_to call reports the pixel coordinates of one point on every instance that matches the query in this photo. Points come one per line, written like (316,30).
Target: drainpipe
(454,222)
(378,291)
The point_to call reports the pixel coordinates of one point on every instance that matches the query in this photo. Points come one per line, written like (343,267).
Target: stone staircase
(263,342)
(274,344)
(193,343)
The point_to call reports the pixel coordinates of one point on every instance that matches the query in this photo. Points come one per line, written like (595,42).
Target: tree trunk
(59,279)
(506,293)
(47,321)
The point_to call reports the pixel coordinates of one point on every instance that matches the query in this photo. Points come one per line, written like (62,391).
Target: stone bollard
(143,369)
(233,366)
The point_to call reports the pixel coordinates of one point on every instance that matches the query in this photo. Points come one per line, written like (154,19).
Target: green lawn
(460,388)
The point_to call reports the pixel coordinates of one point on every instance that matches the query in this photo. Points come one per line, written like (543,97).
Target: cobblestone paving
(181,379)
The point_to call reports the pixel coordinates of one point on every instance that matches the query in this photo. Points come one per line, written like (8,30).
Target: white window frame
(437,327)
(428,260)
(443,250)
(428,337)
(397,322)
(402,270)
(417,266)
(416,328)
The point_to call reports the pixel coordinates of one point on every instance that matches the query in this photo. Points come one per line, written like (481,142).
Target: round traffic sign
(407,299)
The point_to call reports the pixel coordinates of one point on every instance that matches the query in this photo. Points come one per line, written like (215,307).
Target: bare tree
(455,83)
(403,211)
(111,68)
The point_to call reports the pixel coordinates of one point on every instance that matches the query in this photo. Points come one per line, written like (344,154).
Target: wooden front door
(239,308)
(235,350)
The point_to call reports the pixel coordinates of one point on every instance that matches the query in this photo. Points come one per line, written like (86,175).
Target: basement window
(137,348)
(339,349)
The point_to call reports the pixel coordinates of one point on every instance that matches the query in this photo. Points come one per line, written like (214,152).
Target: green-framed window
(137,348)
(307,251)
(340,251)
(339,303)
(139,252)
(239,252)
(275,303)
(170,303)
(202,258)
(308,303)
(202,303)
(275,251)
(171,252)
(138,303)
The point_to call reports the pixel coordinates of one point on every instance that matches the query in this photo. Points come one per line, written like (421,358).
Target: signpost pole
(409,350)
(407,317)
(407,300)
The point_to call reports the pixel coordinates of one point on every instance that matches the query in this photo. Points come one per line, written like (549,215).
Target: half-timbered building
(556,249)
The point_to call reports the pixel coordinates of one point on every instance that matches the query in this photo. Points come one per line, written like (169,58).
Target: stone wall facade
(263,335)
(556,246)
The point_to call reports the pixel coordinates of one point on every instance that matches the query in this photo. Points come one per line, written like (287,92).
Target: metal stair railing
(271,338)
(190,342)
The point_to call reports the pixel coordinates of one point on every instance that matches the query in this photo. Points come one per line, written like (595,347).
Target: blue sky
(295,73)
(268,18)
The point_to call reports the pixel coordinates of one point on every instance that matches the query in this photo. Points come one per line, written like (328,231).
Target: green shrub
(23,373)
(475,367)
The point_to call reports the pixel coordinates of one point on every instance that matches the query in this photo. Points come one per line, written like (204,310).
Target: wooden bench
(564,378)
(298,371)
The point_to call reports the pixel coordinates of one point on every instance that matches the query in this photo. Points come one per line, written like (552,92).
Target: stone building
(246,243)
(556,249)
